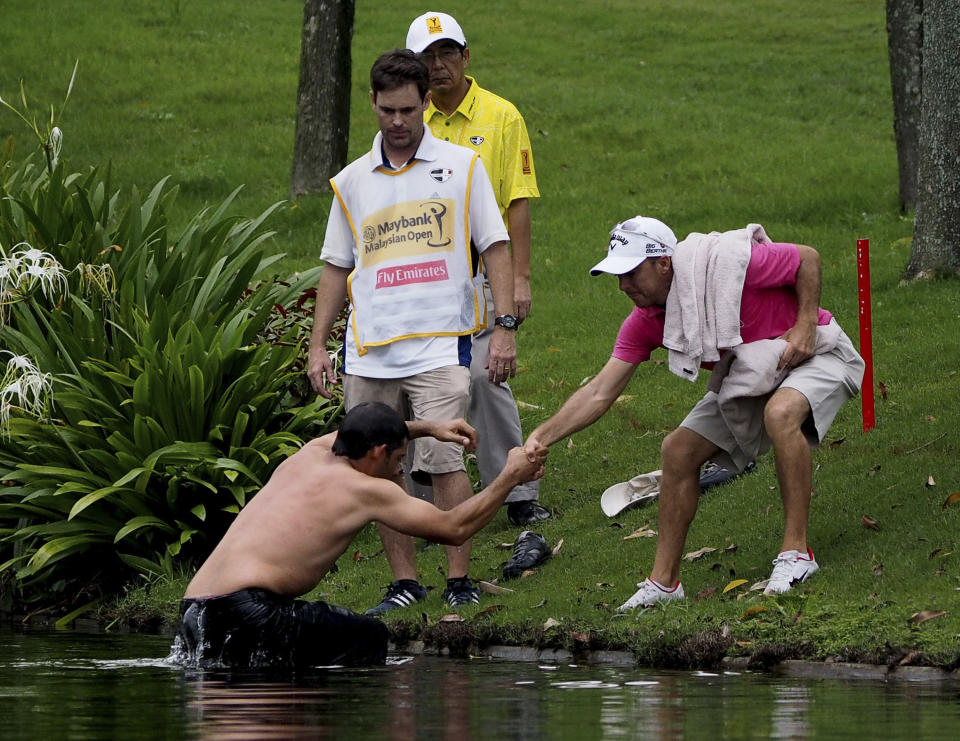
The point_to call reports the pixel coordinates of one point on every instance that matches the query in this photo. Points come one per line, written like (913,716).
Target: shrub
(150,387)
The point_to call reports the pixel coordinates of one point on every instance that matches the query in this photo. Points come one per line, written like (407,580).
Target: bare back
(292,532)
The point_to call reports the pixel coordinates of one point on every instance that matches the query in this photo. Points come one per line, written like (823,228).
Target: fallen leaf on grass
(924,615)
(451,617)
(837,443)
(734,584)
(643,532)
(569,443)
(759,585)
(624,397)
(731,548)
(753,612)
(952,499)
(490,610)
(357,556)
(705,593)
(528,572)
(505,546)
(883,390)
(930,418)
(527,405)
(550,623)
(491,588)
(541,603)
(909,658)
(557,547)
(930,481)
(869,523)
(694,555)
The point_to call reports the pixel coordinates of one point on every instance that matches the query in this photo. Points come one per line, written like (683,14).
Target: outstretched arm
(447,431)
(416,517)
(802,337)
(585,407)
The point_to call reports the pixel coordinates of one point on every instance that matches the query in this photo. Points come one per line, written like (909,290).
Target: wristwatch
(507,321)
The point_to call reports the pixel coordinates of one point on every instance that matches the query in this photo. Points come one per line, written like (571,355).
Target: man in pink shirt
(815,367)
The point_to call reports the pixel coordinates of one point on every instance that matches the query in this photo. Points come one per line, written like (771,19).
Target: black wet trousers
(254,628)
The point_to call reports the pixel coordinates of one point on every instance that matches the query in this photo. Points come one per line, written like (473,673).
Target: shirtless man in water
(240,608)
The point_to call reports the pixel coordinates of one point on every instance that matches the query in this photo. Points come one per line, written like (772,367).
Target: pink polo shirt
(768,306)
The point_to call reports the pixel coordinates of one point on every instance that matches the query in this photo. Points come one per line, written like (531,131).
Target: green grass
(708,115)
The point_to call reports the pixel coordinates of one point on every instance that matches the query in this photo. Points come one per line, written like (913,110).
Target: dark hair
(367,425)
(394,69)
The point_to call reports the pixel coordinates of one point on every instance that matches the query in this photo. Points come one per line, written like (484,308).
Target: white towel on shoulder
(703,306)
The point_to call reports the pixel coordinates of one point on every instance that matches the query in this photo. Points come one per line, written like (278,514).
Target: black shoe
(402,593)
(526,513)
(529,551)
(460,591)
(713,474)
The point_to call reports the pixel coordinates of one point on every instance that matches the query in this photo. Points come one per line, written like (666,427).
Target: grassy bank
(706,115)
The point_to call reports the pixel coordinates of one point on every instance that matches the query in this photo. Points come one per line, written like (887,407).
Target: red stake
(866,329)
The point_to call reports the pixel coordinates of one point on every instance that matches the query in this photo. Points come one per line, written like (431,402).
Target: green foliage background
(708,115)
(176,385)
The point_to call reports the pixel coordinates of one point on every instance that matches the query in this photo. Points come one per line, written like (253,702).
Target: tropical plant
(149,387)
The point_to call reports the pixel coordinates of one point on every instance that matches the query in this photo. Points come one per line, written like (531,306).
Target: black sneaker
(401,593)
(713,474)
(529,551)
(526,513)
(460,591)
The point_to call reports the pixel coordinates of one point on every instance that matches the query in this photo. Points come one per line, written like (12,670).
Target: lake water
(67,685)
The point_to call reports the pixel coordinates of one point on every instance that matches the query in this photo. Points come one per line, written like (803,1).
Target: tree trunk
(936,230)
(323,95)
(905,43)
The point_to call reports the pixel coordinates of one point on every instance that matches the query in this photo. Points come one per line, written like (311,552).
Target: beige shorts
(827,381)
(443,393)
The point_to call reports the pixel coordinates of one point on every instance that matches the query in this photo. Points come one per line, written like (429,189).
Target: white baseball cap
(432,27)
(632,242)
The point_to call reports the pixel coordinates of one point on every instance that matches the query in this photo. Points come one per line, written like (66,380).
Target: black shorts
(256,629)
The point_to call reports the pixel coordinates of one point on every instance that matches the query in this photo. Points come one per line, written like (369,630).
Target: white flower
(19,362)
(7,276)
(33,254)
(55,143)
(12,262)
(50,277)
(24,387)
(98,278)
(30,268)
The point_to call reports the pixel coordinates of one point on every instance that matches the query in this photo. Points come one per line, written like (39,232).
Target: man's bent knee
(785,412)
(684,449)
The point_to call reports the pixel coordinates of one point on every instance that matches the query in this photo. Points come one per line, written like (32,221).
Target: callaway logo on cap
(632,242)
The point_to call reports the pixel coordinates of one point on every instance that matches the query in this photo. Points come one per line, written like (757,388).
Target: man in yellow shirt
(463,113)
